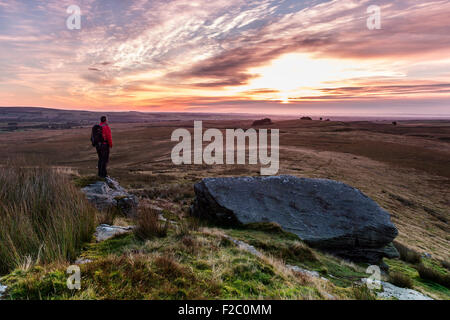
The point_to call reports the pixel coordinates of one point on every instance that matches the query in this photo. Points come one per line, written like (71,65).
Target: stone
(390,291)
(245,246)
(426,255)
(326,214)
(310,273)
(82,261)
(2,290)
(108,194)
(104,231)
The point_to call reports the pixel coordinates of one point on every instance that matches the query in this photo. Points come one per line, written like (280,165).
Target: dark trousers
(103,158)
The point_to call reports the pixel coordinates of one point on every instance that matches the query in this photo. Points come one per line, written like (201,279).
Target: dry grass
(43,217)
(400,279)
(169,266)
(407,254)
(106,216)
(148,224)
(362,292)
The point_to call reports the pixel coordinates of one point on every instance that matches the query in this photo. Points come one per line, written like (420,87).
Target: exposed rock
(305,118)
(82,261)
(245,246)
(390,291)
(326,214)
(105,195)
(310,273)
(2,290)
(426,255)
(262,122)
(105,231)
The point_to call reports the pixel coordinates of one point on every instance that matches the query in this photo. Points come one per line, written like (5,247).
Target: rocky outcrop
(326,214)
(108,194)
(105,231)
(390,291)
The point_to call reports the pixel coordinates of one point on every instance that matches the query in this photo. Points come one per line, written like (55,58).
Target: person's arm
(109,137)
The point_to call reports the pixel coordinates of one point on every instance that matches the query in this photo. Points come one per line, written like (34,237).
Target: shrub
(427,273)
(400,279)
(407,254)
(149,226)
(446,264)
(43,217)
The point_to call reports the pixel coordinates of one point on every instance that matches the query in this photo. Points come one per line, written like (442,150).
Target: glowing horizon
(272,57)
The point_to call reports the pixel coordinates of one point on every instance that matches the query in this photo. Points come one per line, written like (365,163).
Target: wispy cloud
(233,54)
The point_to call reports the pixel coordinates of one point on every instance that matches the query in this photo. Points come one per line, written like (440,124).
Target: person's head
(103,119)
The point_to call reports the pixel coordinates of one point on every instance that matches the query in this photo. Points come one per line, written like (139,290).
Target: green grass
(289,248)
(428,287)
(198,266)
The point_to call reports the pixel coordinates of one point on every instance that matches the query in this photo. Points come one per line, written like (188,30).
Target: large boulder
(326,214)
(108,194)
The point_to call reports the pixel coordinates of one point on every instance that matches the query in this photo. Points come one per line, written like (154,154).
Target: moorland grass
(43,217)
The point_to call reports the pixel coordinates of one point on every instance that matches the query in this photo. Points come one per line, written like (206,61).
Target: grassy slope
(200,266)
(200,263)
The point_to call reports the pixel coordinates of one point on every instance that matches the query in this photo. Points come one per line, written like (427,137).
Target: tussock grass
(107,216)
(427,273)
(362,292)
(148,224)
(407,254)
(446,264)
(43,217)
(400,279)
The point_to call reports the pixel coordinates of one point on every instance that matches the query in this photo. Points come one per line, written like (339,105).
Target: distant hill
(77,117)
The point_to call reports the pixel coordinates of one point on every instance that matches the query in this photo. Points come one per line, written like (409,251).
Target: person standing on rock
(102,140)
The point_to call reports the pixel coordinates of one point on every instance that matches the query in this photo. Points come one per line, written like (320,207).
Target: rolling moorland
(405,168)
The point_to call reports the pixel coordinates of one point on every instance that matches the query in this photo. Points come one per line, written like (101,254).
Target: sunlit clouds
(286,56)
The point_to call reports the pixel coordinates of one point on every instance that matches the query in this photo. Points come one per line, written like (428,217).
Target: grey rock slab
(104,231)
(108,194)
(326,214)
(390,291)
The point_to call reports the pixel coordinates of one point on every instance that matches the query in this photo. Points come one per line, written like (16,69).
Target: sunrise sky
(276,57)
